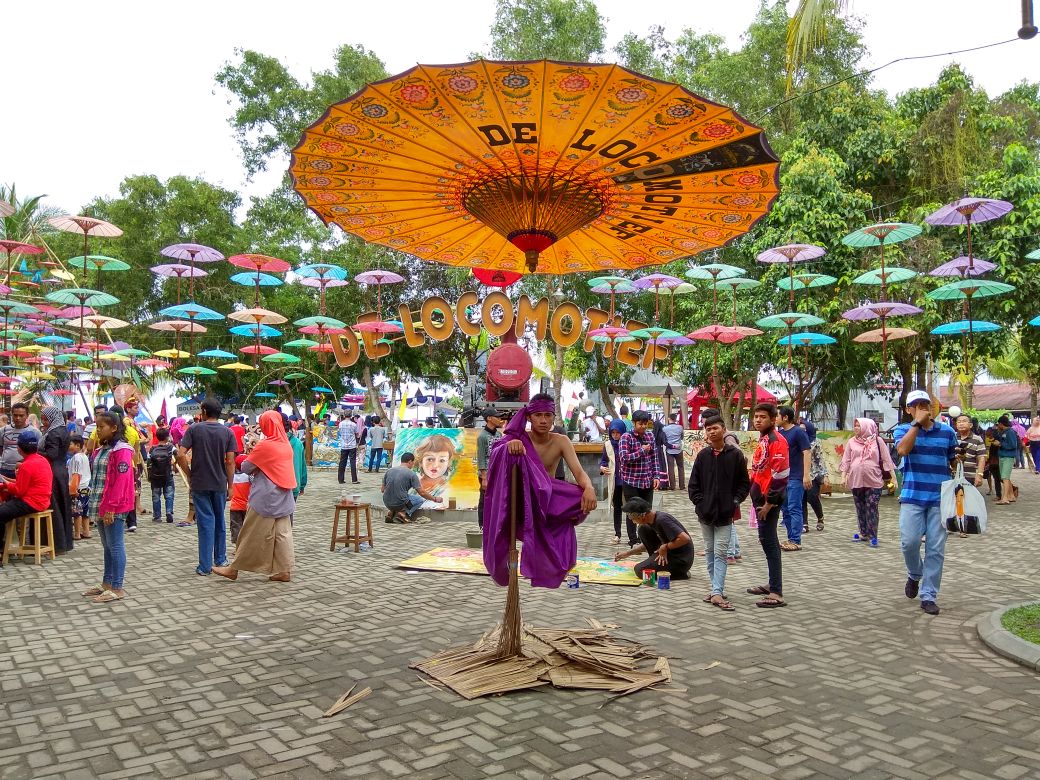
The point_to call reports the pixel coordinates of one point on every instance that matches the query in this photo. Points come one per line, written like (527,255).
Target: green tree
(571,30)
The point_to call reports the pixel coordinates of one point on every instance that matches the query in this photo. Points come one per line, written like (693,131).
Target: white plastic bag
(962,506)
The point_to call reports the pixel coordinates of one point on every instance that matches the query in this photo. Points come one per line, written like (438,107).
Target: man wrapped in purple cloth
(548,509)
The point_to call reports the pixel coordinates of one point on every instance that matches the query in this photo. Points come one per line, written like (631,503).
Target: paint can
(664,580)
(649,577)
(572,579)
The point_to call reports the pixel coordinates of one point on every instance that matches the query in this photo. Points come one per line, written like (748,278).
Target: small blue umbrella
(961,327)
(258,280)
(321,271)
(320,389)
(265,394)
(806,339)
(217,353)
(190,311)
(52,339)
(265,331)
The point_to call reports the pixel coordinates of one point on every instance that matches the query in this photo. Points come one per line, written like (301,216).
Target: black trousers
(647,494)
(617,499)
(679,561)
(811,497)
(770,542)
(345,457)
(480,509)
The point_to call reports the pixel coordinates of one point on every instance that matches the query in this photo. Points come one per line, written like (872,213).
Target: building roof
(1013,396)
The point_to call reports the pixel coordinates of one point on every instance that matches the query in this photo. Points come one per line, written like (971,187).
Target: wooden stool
(352,511)
(20,526)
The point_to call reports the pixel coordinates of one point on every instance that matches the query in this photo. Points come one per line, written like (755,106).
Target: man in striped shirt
(928,447)
(971,452)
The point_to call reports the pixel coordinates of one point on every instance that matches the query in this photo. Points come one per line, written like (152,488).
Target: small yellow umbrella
(172,353)
(236,367)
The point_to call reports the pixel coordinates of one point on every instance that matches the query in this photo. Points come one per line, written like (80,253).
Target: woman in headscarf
(265,544)
(608,466)
(863,463)
(817,473)
(54,446)
(177,428)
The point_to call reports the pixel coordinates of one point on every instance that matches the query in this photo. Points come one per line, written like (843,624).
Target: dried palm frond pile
(591,658)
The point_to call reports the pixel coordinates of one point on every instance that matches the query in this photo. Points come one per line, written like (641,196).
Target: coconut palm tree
(807,30)
(1018,364)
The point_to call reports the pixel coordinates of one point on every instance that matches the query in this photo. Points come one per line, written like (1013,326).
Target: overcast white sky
(94,95)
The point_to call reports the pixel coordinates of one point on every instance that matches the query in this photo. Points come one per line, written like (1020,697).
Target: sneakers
(930,607)
(131,529)
(169,518)
(857,538)
(911,588)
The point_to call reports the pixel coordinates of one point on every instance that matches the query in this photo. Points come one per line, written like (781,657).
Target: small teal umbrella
(218,353)
(264,331)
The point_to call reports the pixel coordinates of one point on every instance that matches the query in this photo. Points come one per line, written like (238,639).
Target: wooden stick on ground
(346,700)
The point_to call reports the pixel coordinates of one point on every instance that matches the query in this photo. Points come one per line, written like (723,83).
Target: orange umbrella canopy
(544,167)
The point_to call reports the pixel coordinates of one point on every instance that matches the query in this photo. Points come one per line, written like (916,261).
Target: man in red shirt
(770,469)
(30,491)
(239,432)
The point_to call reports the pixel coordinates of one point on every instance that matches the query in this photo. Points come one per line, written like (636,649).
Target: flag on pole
(403,406)
(162,410)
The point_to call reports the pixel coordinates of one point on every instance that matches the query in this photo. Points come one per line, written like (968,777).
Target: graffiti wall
(445,459)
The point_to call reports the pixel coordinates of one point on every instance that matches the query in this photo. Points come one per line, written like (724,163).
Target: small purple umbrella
(656,282)
(791,254)
(966,211)
(378,278)
(192,253)
(179,271)
(881,310)
(278,383)
(963,266)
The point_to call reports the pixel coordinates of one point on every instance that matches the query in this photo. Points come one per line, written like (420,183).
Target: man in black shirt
(662,537)
(719,483)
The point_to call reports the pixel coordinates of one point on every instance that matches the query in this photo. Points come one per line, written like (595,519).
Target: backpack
(160,465)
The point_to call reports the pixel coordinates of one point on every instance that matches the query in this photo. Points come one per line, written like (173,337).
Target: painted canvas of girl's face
(434,465)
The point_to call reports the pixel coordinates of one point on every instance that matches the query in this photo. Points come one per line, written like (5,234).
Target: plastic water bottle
(365,546)
(342,495)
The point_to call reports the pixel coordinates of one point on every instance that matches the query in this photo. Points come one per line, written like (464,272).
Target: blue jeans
(112,539)
(733,551)
(209,519)
(158,493)
(716,543)
(794,518)
(376,455)
(914,522)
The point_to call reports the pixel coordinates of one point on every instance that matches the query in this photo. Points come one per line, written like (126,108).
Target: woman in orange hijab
(265,543)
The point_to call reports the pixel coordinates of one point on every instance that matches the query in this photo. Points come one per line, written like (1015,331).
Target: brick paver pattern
(201,677)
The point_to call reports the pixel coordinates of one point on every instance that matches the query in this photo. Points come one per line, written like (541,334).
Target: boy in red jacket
(770,469)
(239,498)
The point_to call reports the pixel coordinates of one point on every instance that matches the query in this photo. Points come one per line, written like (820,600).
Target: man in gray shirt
(9,434)
(485,441)
(376,437)
(400,504)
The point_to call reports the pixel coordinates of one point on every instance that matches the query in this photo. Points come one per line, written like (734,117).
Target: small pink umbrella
(16,248)
(258,349)
(724,334)
(378,326)
(379,278)
(322,283)
(656,282)
(322,330)
(88,226)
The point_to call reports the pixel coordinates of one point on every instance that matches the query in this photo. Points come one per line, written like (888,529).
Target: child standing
(111,497)
(239,498)
(161,466)
(79,487)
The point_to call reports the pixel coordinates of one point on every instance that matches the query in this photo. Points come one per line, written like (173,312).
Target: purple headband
(517,426)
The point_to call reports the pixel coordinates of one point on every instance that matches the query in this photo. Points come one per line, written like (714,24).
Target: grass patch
(1023,622)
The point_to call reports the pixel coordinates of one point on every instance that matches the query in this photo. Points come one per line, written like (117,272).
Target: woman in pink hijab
(865,459)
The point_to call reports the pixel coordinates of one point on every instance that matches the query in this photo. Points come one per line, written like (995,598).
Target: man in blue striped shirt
(927,447)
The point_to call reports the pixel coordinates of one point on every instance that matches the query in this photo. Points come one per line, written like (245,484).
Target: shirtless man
(551,447)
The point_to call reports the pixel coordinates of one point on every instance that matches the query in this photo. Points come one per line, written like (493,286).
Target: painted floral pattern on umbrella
(448,162)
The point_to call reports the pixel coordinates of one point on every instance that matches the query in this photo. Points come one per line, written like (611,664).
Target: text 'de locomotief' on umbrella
(543,166)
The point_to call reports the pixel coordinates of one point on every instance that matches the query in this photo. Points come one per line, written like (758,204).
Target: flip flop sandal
(759,590)
(770,603)
(724,605)
(790,547)
(819,525)
(97,590)
(707,599)
(107,596)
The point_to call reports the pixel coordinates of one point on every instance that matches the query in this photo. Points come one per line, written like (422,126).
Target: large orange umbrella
(545,167)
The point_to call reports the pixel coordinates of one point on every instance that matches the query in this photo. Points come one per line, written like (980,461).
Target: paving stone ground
(201,677)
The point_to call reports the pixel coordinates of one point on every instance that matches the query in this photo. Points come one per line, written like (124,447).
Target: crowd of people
(90,475)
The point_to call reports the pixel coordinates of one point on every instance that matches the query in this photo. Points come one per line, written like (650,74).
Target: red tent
(698,398)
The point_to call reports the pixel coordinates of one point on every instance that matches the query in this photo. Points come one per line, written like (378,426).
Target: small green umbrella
(321,321)
(805,282)
(1034,255)
(82,296)
(964,289)
(280,357)
(296,375)
(197,371)
(885,276)
(300,343)
(881,235)
(790,320)
(99,263)
(132,352)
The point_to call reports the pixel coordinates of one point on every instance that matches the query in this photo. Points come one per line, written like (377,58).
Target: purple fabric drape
(548,511)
